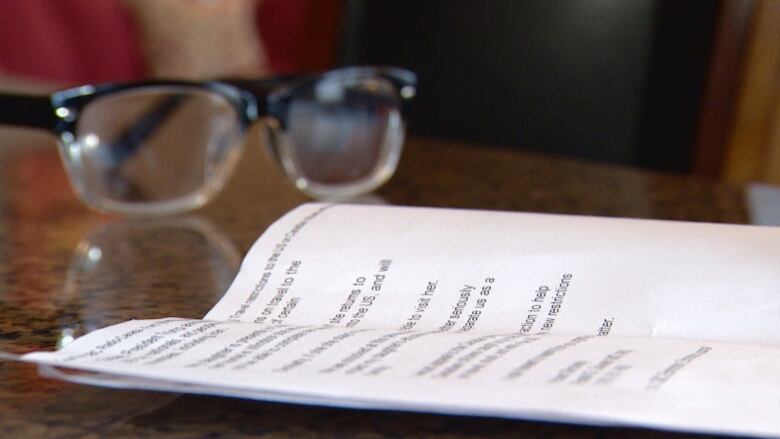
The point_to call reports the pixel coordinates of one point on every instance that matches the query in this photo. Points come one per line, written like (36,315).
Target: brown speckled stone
(65,270)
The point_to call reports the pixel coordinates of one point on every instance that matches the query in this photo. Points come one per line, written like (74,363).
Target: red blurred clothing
(88,41)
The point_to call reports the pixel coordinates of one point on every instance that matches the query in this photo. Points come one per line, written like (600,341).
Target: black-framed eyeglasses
(157,147)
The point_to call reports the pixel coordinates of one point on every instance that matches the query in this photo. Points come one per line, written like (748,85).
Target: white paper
(558,318)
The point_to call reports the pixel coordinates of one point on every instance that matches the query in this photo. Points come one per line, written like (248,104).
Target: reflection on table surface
(65,270)
(103,279)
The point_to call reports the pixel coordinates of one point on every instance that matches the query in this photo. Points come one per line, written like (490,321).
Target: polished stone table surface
(65,270)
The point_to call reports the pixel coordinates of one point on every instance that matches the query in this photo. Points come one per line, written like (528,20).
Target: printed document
(558,318)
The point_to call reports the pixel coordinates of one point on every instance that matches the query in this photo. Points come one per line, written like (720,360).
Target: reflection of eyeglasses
(114,252)
(168,146)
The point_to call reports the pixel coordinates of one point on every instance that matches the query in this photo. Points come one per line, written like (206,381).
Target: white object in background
(763,204)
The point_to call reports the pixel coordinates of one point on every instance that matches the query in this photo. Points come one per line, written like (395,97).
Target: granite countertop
(65,270)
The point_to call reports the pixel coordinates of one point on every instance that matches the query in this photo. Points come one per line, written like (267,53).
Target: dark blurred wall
(611,80)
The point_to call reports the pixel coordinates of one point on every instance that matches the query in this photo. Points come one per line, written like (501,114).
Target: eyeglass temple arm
(27,111)
(133,136)
(37,112)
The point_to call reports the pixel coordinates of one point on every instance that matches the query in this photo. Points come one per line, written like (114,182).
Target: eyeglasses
(169,146)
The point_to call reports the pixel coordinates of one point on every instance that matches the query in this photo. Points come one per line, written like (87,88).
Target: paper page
(567,319)
(663,383)
(474,271)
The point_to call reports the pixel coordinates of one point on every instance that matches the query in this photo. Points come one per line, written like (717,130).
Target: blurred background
(687,87)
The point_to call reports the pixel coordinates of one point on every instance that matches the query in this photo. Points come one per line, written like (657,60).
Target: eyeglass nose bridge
(271,137)
(270,112)
(247,106)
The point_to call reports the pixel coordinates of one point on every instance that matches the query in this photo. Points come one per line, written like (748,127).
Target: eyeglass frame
(252,100)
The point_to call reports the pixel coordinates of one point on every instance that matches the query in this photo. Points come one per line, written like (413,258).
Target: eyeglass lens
(342,130)
(155,144)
